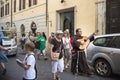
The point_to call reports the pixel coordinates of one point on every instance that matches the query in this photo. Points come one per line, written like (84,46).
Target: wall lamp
(62,1)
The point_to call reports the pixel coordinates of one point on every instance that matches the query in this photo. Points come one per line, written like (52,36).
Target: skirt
(3,57)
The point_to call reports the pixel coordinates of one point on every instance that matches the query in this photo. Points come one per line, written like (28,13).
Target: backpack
(34,67)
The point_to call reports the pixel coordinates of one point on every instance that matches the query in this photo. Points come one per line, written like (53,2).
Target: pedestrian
(56,47)
(3,58)
(52,36)
(67,48)
(32,37)
(23,40)
(43,45)
(28,64)
(3,52)
(79,61)
(37,45)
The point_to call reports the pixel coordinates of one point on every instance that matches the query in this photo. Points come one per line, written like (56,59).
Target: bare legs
(3,67)
(56,76)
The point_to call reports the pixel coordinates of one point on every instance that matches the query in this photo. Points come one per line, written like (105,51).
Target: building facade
(24,15)
(72,14)
(49,15)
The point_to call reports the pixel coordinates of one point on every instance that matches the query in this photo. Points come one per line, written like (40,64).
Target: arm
(2,48)
(51,47)
(25,67)
(76,44)
(27,63)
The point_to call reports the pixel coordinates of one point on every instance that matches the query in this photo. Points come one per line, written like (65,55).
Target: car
(8,41)
(103,54)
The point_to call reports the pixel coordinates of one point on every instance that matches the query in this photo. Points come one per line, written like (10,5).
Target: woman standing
(67,48)
(56,46)
(37,45)
(43,45)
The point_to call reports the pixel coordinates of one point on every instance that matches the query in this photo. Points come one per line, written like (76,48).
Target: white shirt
(23,38)
(32,38)
(30,60)
(66,42)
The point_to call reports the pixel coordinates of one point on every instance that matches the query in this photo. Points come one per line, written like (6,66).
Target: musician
(78,55)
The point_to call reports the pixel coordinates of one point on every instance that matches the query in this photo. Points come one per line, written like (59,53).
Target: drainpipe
(11,14)
(46,13)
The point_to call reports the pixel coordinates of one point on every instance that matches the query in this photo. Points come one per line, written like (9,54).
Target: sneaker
(66,67)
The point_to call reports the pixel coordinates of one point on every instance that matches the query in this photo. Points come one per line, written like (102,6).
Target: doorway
(67,21)
(113,16)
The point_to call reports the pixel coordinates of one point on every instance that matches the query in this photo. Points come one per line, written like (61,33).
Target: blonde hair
(30,46)
(66,32)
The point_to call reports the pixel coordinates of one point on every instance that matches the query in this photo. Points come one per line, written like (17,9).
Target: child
(29,62)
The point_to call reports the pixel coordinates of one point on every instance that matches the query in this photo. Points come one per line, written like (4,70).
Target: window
(116,42)
(7,9)
(103,41)
(14,5)
(19,4)
(32,2)
(2,11)
(24,2)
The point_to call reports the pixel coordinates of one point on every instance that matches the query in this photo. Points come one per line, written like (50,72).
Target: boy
(28,63)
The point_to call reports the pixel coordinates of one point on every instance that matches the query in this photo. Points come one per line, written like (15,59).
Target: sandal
(58,78)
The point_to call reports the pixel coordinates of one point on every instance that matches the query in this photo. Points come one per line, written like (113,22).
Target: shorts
(67,53)
(58,66)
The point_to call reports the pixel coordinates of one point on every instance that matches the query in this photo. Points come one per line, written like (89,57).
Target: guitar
(85,40)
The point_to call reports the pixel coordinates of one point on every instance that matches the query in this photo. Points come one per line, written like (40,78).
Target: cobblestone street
(14,72)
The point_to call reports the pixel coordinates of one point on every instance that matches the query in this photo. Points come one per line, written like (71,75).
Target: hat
(59,32)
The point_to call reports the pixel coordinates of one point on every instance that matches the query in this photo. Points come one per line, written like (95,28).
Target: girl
(67,48)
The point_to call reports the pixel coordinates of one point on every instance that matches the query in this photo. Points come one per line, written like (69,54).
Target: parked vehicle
(8,41)
(103,54)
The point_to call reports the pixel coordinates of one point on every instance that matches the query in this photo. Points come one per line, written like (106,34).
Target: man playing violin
(78,54)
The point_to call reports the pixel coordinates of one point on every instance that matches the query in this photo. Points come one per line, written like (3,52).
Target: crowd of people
(39,40)
(65,52)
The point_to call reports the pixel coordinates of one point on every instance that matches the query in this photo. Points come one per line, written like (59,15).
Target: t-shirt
(57,47)
(30,73)
(42,43)
(32,38)
(66,40)
(23,38)
(38,38)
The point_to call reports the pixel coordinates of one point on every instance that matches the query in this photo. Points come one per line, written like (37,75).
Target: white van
(8,41)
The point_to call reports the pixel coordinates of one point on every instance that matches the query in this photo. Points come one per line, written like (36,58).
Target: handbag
(55,56)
